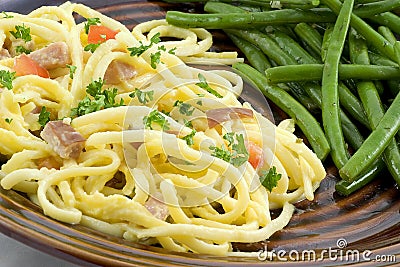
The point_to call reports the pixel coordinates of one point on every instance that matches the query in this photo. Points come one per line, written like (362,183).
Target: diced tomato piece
(24,65)
(256,156)
(99,34)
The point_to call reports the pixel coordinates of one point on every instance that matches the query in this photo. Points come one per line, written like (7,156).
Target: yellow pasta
(115,130)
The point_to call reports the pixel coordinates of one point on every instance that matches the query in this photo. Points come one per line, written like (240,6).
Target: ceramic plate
(362,229)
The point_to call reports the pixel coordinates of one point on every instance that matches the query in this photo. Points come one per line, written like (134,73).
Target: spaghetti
(112,129)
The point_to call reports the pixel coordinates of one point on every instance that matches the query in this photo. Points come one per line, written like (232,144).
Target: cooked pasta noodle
(130,148)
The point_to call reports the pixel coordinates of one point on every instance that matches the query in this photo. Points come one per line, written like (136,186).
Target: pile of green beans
(331,65)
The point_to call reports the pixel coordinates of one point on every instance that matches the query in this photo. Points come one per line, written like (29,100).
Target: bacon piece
(64,140)
(55,55)
(119,71)
(156,207)
(219,115)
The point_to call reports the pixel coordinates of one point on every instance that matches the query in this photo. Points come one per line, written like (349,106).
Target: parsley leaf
(240,155)
(221,153)
(229,137)
(137,51)
(109,98)
(172,51)
(155,117)
(102,99)
(91,47)
(143,97)
(6,16)
(22,32)
(155,59)
(44,116)
(189,138)
(184,108)
(89,22)
(87,105)
(8,120)
(269,179)
(94,88)
(6,79)
(72,70)
(188,123)
(22,50)
(203,84)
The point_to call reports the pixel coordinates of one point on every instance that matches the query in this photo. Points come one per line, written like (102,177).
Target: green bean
(388,19)
(372,103)
(253,54)
(387,33)
(372,37)
(325,41)
(370,9)
(218,7)
(346,188)
(393,85)
(265,43)
(375,144)
(350,131)
(246,20)
(310,36)
(293,48)
(378,59)
(380,87)
(307,123)
(397,52)
(301,95)
(329,88)
(313,72)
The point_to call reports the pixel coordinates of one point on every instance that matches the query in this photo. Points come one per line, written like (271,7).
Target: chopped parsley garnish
(157,118)
(172,51)
(44,116)
(94,88)
(143,97)
(184,108)
(203,84)
(155,59)
(238,154)
(188,123)
(91,47)
(89,22)
(269,179)
(101,99)
(230,138)
(8,120)
(22,32)
(221,153)
(189,138)
(6,16)
(22,50)
(6,79)
(72,70)
(137,51)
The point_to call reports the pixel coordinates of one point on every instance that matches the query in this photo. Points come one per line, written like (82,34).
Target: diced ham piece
(4,54)
(157,208)
(63,138)
(219,115)
(55,55)
(49,163)
(119,71)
